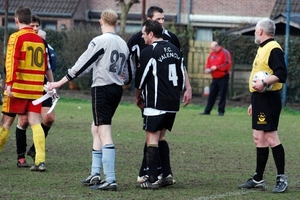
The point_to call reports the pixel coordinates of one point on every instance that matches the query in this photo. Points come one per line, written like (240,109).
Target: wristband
(265,84)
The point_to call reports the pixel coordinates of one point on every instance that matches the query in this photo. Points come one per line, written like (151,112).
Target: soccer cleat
(160,176)
(252,184)
(22,163)
(141,179)
(105,186)
(31,154)
(39,168)
(147,185)
(281,184)
(166,181)
(92,180)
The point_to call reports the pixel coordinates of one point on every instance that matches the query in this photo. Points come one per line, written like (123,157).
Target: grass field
(210,156)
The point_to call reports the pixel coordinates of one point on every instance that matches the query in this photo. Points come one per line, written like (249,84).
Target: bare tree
(125,7)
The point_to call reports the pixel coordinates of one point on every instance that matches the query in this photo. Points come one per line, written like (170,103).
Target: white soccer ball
(262,75)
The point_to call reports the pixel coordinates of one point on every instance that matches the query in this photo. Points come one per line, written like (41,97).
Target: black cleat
(105,186)
(281,184)
(92,180)
(252,184)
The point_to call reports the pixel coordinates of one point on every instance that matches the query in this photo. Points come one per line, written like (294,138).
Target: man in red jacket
(218,64)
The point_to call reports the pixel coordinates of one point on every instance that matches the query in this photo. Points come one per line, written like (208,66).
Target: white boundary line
(238,193)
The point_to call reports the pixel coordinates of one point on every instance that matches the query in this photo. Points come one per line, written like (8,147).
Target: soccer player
(47,119)
(265,107)
(158,82)
(26,65)
(136,44)
(107,55)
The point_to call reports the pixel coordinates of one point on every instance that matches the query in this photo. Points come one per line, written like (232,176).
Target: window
(204,34)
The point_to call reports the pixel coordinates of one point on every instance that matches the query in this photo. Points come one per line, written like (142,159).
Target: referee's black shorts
(159,122)
(105,100)
(266,108)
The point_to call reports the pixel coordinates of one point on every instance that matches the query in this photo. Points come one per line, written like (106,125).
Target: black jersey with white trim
(161,76)
(136,44)
(107,55)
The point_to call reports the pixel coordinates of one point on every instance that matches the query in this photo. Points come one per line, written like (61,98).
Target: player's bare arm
(187,96)
(58,84)
(139,99)
(49,75)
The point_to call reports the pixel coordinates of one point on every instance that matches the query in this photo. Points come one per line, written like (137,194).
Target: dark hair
(152,10)
(35,18)
(154,27)
(23,13)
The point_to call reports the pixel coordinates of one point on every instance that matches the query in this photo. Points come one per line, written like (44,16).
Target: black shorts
(47,102)
(159,122)
(266,108)
(105,100)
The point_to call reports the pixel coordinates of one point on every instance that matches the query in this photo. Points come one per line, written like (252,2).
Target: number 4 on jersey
(172,74)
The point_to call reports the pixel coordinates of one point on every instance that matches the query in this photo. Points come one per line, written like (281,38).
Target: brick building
(204,15)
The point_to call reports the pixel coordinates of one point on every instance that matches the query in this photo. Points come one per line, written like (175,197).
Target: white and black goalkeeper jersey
(161,76)
(107,55)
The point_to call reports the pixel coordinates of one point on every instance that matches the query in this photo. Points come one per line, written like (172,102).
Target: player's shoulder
(147,51)
(135,38)
(103,39)
(50,47)
(169,44)
(148,48)
(169,34)
(136,35)
(171,37)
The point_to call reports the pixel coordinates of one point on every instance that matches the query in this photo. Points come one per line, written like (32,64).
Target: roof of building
(280,21)
(52,8)
(281,7)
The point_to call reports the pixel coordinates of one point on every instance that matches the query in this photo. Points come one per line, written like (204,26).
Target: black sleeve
(142,71)
(130,71)
(48,54)
(277,64)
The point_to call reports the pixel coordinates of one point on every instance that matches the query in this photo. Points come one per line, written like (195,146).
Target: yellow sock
(39,143)
(3,136)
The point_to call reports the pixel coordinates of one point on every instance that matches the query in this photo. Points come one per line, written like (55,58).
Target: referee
(265,107)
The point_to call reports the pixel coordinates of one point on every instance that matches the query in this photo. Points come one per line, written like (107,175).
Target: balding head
(214,46)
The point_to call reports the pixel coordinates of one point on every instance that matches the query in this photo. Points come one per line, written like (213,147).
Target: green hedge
(69,45)
(244,49)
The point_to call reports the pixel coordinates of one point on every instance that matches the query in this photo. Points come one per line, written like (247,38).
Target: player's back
(112,62)
(136,44)
(28,77)
(162,64)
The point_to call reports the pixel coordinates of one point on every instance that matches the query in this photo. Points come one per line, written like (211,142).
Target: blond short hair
(110,17)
